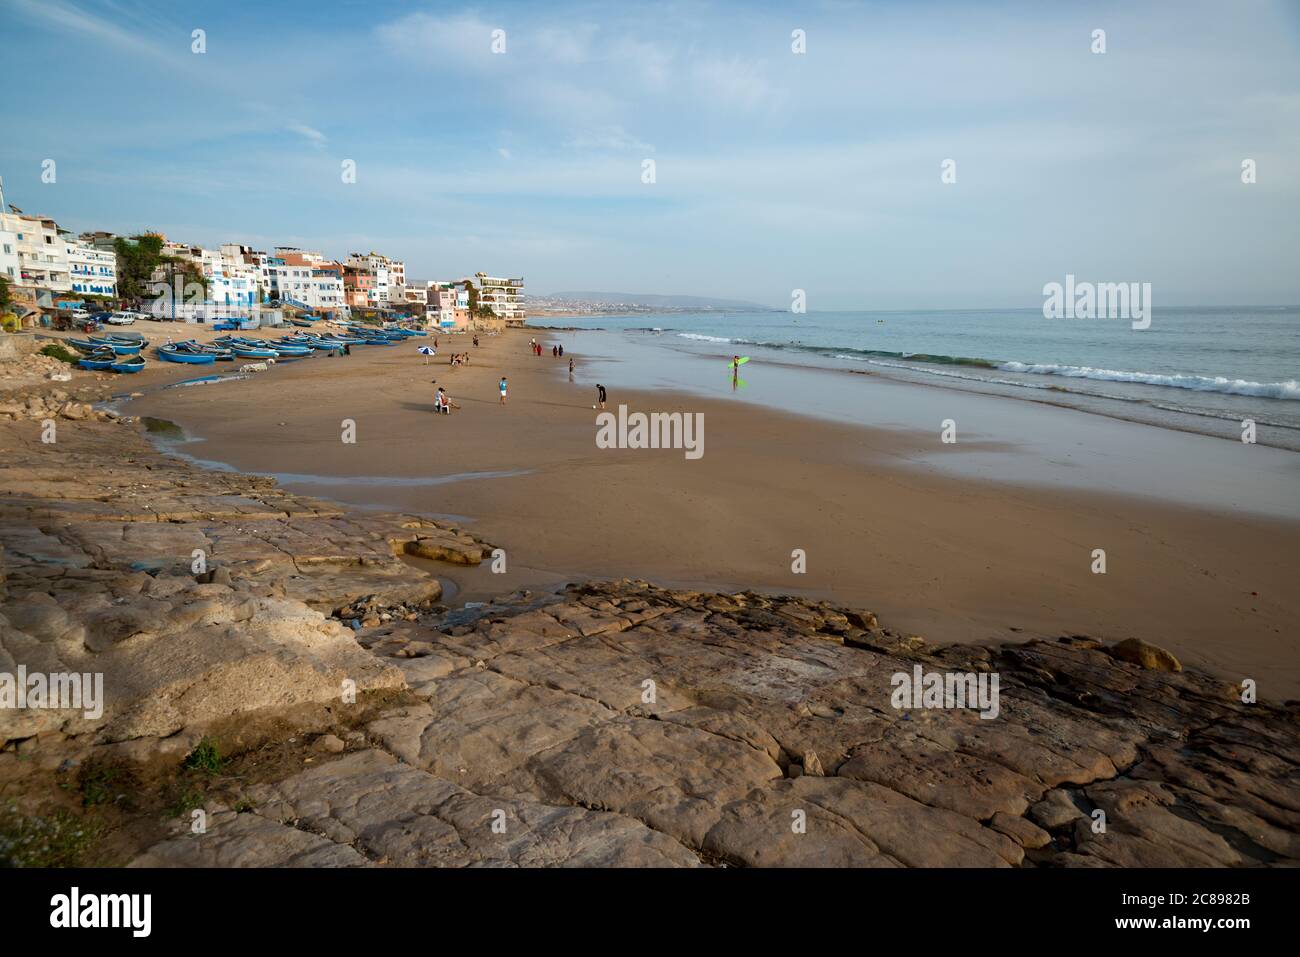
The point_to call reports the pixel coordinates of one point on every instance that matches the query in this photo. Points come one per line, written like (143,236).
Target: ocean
(1194,369)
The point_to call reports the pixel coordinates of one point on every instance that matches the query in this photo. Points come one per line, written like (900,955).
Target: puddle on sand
(206,380)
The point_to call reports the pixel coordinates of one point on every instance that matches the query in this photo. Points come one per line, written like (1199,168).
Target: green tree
(136,260)
(476,310)
(4,291)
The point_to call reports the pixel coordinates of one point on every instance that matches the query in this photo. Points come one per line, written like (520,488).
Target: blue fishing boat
(97,360)
(128,364)
(84,345)
(175,354)
(197,348)
(247,348)
(315,343)
(119,346)
(287,346)
(253,352)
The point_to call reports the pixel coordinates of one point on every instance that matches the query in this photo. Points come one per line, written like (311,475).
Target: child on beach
(600,389)
(440,402)
(502,386)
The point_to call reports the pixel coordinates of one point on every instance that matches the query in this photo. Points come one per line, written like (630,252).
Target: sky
(774,171)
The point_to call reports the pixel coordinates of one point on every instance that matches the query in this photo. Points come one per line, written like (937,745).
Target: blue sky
(774,171)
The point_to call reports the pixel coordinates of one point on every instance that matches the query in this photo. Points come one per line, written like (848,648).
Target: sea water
(1195,369)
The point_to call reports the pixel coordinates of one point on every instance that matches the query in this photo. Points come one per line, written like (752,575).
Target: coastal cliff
(307,696)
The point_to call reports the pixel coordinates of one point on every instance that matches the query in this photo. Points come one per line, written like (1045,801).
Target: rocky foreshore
(282,687)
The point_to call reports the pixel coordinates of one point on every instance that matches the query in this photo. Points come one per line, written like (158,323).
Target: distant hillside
(654,301)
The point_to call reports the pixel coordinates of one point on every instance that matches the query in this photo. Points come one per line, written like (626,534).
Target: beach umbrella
(427,351)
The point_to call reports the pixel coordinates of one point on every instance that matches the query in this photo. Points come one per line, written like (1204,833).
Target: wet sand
(941,551)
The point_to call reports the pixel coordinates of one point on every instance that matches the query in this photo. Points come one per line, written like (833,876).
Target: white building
(445,300)
(390,276)
(42,253)
(505,297)
(9,255)
(306,279)
(93,271)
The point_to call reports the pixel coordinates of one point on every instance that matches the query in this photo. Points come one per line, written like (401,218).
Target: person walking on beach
(600,390)
(561,352)
(570,369)
(476,342)
(502,386)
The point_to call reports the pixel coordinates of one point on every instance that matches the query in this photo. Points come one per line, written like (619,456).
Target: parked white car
(121,319)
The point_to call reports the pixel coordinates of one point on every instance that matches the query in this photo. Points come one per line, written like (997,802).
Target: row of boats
(109,353)
(122,353)
(296,346)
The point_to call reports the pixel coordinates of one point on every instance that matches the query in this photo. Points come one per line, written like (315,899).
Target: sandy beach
(951,557)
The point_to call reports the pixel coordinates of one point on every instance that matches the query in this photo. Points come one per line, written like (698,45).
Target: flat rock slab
(367,807)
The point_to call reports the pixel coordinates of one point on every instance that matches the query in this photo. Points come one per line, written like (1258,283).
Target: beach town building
(396,280)
(9,255)
(41,250)
(92,271)
(38,256)
(255,263)
(100,240)
(358,287)
(505,297)
(241,274)
(390,277)
(417,295)
(231,282)
(307,279)
(448,305)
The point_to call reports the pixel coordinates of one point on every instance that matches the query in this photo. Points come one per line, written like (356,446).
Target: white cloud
(313,135)
(68,16)
(436,42)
